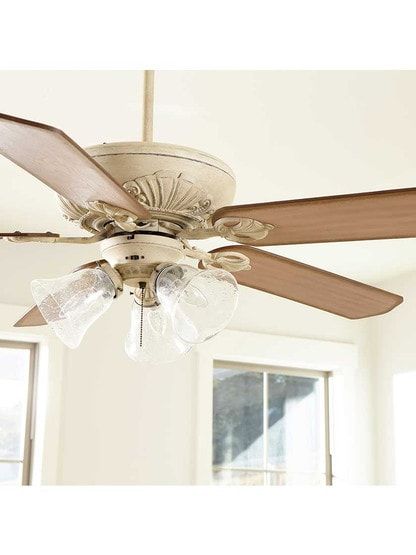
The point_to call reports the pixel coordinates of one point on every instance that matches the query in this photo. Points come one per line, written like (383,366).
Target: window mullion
(265,424)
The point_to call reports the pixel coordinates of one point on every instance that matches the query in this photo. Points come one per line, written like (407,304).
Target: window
(17,368)
(270,426)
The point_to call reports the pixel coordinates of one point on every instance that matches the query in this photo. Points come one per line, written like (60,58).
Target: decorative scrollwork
(170,197)
(243,230)
(229,260)
(124,219)
(167,192)
(97,215)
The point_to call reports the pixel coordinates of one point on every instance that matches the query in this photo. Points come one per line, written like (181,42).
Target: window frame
(243,347)
(266,369)
(26,460)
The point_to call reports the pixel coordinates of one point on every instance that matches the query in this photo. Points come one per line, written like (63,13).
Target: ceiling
(286,134)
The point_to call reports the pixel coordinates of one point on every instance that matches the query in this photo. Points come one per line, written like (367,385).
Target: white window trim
(258,349)
(46,456)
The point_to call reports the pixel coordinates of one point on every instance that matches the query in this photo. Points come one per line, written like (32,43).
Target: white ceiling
(286,134)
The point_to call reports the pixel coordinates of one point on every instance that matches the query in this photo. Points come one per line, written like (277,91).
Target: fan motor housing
(176,183)
(136,255)
(129,161)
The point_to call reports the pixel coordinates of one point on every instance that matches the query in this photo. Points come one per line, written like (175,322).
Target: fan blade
(55,159)
(356,217)
(32,317)
(18,234)
(311,286)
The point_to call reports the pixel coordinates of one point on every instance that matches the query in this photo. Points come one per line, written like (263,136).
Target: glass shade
(70,304)
(200,302)
(159,342)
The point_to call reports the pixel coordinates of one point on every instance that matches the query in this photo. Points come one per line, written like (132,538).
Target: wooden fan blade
(312,286)
(356,217)
(17,234)
(32,317)
(55,159)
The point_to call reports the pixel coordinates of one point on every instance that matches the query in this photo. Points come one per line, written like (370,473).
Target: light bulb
(70,304)
(153,340)
(200,302)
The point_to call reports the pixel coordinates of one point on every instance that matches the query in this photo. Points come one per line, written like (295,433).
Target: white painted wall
(394,351)
(124,423)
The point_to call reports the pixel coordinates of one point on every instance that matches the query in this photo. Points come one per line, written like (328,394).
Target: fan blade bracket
(242,230)
(122,218)
(23,235)
(229,261)
(48,237)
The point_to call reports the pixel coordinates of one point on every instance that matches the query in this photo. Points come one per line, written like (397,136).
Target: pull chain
(142,286)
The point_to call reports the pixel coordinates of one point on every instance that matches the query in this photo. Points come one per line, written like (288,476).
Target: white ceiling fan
(142,202)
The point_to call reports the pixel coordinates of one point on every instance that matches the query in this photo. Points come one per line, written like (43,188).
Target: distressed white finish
(242,229)
(185,191)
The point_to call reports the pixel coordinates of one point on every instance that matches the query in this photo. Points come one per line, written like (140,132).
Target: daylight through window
(17,366)
(270,426)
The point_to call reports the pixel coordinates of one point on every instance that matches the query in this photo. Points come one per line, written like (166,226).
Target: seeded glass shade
(200,302)
(156,342)
(70,304)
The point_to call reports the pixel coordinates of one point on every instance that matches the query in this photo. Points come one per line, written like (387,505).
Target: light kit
(144,203)
(72,303)
(175,308)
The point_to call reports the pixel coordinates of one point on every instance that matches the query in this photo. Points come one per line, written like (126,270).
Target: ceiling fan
(142,202)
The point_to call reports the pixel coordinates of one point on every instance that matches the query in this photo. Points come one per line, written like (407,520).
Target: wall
(130,424)
(124,424)
(394,354)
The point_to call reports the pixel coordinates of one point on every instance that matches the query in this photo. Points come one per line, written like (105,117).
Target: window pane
(14,377)
(238,419)
(238,478)
(10,474)
(295,424)
(294,479)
